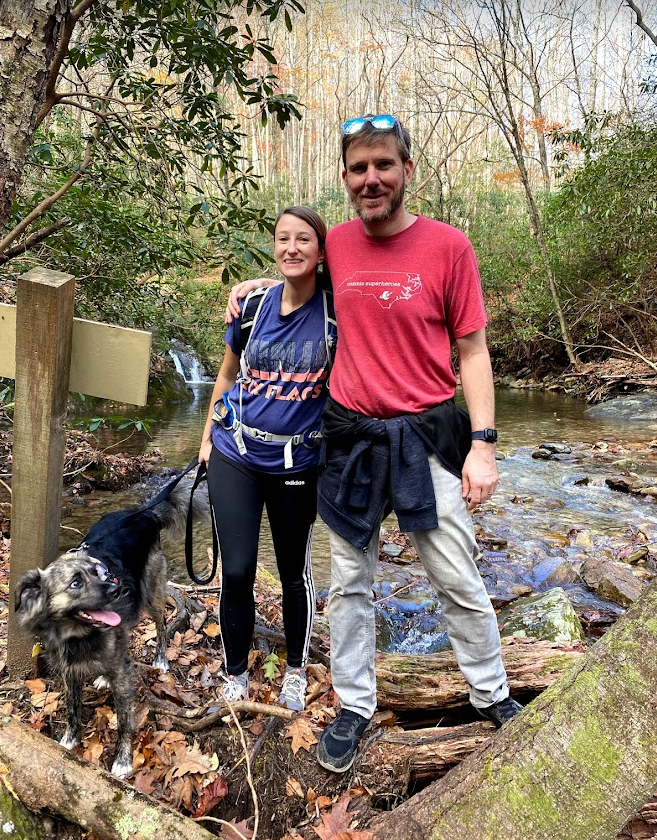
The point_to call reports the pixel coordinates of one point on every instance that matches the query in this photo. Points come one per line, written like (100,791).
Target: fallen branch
(221,709)
(200,717)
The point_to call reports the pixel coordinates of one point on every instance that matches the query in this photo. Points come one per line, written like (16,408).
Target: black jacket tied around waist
(371,466)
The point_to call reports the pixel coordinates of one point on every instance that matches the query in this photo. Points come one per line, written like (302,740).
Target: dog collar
(103,572)
(101,569)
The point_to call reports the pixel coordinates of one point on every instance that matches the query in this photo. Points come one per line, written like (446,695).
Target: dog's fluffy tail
(172,511)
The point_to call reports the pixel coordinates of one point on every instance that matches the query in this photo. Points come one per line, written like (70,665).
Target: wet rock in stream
(612,580)
(547,615)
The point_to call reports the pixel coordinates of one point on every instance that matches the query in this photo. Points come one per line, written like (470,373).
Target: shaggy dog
(83,606)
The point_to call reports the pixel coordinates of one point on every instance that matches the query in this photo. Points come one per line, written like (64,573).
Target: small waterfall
(187,363)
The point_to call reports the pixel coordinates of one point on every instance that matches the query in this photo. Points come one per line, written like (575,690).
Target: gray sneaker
(236,688)
(293,693)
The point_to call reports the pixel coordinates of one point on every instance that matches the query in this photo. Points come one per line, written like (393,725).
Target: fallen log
(644,825)
(433,681)
(17,822)
(45,775)
(431,752)
(575,764)
(393,759)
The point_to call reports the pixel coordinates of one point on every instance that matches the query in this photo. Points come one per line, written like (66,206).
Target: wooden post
(44,322)
(49,352)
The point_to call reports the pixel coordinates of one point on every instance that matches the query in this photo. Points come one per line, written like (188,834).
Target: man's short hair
(369,135)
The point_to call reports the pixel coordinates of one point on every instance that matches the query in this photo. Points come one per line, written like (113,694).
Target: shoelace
(506,708)
(346,724)
(294,687)
(234,690)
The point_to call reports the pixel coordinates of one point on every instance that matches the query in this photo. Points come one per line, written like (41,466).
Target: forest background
(178,130)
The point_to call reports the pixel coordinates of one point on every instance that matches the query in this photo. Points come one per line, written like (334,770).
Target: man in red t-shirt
(406,289)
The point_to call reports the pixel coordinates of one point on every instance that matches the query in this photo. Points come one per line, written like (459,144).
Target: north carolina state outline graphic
(386,286)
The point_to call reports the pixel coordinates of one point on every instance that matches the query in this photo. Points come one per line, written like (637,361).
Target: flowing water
(543,512)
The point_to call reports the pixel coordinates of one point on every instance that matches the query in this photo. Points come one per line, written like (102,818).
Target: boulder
(612,580)
(641,407)
(547,615)
(564,573)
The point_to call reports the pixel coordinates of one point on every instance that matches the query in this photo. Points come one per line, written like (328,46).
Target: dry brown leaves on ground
(187,770)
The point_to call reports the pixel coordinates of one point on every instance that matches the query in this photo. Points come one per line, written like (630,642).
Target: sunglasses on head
(382,122)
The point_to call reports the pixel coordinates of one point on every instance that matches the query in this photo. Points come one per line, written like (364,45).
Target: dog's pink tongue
(105,617)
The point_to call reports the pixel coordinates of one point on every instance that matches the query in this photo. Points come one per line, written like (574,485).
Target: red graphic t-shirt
(400,302)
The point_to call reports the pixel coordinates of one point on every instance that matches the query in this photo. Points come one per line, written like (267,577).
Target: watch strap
(487,435)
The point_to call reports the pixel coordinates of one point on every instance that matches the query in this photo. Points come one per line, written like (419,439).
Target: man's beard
(395,202)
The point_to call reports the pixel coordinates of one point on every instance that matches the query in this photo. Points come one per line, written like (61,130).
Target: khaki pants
(448,554)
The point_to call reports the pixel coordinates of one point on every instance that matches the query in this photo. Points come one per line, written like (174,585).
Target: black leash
(189,559)
(162,495)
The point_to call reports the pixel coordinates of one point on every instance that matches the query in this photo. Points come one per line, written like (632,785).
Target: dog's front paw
(161,663)
(69,741)
(101,683)
(122,768)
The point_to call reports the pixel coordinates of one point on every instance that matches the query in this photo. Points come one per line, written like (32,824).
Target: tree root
(185,607)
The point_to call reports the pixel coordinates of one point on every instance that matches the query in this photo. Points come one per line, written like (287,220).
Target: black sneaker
(339,742)
(501,711)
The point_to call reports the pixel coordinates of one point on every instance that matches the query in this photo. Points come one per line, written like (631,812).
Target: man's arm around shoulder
(241,290)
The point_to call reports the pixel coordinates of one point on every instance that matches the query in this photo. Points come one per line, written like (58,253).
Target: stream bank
(554,513)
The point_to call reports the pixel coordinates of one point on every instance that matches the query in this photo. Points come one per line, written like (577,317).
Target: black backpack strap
(189,558)
(249,314)
(330,326)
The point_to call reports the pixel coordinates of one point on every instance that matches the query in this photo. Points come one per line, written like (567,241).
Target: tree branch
(640,21)
(33,239)
(47,203)
(75,15)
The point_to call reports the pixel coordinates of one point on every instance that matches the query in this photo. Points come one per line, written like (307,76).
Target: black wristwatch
(488,435)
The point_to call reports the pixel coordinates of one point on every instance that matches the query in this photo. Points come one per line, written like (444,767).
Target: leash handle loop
(201,474)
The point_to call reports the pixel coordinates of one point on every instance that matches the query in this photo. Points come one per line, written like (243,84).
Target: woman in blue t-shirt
(260,447)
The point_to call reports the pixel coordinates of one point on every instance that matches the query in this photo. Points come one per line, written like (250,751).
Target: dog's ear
(28,589)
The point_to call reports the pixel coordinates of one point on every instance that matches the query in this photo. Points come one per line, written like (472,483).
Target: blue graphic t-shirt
(284,391)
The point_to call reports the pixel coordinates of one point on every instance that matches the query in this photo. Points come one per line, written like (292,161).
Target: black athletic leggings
(237,496)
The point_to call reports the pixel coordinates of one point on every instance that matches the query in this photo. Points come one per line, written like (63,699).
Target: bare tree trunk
(507,120)
(29,37)
(537,229)
(575,765)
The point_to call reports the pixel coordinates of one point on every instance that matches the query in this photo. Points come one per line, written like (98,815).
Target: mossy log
(433,681)
(576,764)
(16,822)
(45,775)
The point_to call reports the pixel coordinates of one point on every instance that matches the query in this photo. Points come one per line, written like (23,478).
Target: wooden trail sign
(49,353)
